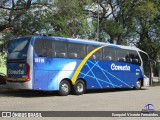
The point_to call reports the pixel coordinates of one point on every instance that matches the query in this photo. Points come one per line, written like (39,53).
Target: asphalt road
(99,100)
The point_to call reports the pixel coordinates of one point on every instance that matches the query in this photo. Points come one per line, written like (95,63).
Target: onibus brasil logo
(148,108)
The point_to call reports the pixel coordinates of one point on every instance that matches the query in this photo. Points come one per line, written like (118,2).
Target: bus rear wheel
(64,88)
(79,87)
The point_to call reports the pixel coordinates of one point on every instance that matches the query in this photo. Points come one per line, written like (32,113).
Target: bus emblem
(117,67)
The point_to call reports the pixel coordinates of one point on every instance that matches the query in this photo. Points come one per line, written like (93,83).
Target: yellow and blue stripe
(78,70)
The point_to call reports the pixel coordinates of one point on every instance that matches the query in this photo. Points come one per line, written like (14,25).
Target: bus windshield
(146,64)
(18,48)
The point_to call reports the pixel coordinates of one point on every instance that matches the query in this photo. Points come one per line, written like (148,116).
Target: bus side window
(50,53)
(108,58)
(122,55)
(39,47)
(49,48)
(60,49)
(109,54)
(134,56)
(76,50)
(97,55)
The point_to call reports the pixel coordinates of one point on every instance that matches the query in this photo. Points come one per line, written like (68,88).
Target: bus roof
(85,41)
(102,43)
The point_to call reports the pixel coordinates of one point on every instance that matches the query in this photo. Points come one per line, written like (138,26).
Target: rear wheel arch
(66,79)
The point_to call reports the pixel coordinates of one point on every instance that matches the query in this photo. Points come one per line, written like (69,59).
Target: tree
(145,21)
(70,19)
(11,11)
(21,17)
(59,18)
(131,22)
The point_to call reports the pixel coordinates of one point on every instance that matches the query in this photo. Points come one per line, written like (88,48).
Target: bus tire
(138,84)
(64,88)
(79,87)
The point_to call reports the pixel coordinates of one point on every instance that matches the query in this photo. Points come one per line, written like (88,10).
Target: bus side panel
(40,77)
(49,72)
(40,80)
(45,80)
(60,69)
(101,74)
(53,81)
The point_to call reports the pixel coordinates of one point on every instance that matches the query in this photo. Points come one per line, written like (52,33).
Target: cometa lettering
(118,67)
(18,72)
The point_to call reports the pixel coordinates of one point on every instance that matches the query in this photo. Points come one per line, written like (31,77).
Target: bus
(67,65)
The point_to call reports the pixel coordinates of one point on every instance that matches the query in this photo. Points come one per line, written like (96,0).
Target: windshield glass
(18,48)
(146,64)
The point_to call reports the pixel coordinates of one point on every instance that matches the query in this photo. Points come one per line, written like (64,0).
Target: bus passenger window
(121,59)
(133,55)
(135,61)
(76,50)
(109,54)
(49,48)
(97,55)
(73,55)
(129,60)
(122,55)
(93,57)
(42,53)
(39,47)
(50,53)
(108,58)
(60,55)
(60,49)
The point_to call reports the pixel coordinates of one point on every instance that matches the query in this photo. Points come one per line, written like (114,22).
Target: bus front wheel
(64,88)
(138,85)
(79,87)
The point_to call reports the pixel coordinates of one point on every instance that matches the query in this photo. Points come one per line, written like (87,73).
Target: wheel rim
(64,87)
(80,87)
(138,84)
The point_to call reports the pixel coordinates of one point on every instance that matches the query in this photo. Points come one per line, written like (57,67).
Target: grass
(3,63)
(3,70)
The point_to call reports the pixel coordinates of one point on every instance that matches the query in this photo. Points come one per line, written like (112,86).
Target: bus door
(146,66)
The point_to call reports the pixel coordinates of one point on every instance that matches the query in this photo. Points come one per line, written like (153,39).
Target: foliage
(132,22)
(30,17)
(127,22)
(20,18)
(112,28)
(70,18)
(2,60)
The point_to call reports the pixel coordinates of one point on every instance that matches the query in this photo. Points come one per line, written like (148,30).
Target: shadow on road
(30,94)
(111,90)
(26,93)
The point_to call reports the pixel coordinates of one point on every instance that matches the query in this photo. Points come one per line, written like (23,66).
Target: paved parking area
(99,100)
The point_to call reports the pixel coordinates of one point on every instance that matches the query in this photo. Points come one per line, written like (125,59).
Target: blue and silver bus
(73,65)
